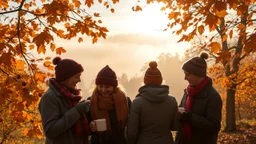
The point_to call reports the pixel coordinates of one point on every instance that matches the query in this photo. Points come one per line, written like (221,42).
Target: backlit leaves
(201,29)
(215,47)
(60,50)
(28,30)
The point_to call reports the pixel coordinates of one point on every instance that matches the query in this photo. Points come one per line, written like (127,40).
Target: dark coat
(205,119)
(153,115)
(58,118)
(117,135)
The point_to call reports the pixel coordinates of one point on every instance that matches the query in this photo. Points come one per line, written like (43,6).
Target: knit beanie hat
(106,76)
(66,68)
(153,75)
(197,65)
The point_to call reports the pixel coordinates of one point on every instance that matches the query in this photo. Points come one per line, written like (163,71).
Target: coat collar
(204,92)
(58,94)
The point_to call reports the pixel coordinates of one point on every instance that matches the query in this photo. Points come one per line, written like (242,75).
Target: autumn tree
(217,22)
(29,28)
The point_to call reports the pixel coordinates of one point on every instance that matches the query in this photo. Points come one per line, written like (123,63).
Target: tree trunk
(230,110)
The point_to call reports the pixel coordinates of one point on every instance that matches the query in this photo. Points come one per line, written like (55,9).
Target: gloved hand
(83,107)
(185,116)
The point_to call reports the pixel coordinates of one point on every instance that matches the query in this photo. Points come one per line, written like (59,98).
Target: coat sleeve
(212,119)
(129,103)
(133,122)
(175,125)
(54,124)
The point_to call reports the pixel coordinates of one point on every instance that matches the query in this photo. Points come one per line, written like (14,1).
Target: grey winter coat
(205,119)
(153,115)
(58,118)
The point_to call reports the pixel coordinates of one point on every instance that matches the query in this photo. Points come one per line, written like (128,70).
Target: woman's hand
(93,126)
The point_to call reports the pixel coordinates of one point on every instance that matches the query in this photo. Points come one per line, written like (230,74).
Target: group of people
(148,119)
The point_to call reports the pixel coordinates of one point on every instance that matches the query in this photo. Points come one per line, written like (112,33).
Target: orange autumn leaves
(29,29)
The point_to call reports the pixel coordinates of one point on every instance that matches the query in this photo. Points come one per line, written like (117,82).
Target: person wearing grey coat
(63,116)
(154,114)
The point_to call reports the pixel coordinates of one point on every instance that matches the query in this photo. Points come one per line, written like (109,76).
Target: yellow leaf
(25,132)
(201,29)
(20,64)
(31,47)
(221,13)
(47,63)
(215,47)
(60,50)
(41,49)
(224,38)
(67,25)
(53,46)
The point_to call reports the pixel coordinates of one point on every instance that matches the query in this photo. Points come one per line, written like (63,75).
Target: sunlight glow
(151,19)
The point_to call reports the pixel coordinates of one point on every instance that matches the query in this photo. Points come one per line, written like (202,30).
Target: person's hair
(95,89)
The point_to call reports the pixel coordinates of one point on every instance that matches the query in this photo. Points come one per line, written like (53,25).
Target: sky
(134,38)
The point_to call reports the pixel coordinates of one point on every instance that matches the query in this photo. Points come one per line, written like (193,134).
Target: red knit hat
(197,65)
(66,68)
(153,75)
(106,76)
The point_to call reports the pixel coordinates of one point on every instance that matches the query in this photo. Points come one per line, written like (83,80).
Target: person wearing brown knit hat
(109,101)
(154,113)
(201,105)
(63,115)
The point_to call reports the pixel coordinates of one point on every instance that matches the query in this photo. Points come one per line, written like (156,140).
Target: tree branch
(4,71)
(2,13)
(18,33)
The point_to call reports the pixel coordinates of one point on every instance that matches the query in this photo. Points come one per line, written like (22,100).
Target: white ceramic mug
(101,124)
(181,109)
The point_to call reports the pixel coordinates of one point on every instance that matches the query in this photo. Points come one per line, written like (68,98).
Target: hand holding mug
(93,126)
(181,110)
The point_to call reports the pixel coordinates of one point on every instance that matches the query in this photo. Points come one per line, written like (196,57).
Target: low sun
(151,19)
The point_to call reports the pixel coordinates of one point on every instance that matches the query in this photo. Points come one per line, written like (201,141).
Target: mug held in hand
(101,124)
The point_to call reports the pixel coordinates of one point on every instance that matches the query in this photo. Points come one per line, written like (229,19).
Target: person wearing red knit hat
(154,113)
(109,101)
(63,115)
(201,104)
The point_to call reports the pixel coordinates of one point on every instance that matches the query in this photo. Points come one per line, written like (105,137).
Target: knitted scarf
(81,127)
(101,105)
(192,91)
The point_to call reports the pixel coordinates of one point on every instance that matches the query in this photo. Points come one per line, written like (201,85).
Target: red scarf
(81,126)
(192,92)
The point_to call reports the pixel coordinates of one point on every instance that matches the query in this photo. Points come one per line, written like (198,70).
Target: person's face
(72,81)
(192,79)
(105,90)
